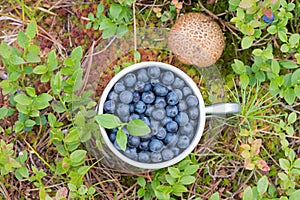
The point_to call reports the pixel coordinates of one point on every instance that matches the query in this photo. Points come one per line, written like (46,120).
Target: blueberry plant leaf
(138,127)
(262,185)
(31,30)
(108,121)
(121,139)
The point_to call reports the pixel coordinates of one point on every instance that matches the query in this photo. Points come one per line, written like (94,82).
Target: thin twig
(134,27)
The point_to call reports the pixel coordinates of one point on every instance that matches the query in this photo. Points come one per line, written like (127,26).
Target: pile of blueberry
(165,103)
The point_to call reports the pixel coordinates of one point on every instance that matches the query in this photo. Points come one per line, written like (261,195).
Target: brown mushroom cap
(196,39)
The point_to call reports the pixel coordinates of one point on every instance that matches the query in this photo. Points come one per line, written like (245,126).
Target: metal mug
(113,158)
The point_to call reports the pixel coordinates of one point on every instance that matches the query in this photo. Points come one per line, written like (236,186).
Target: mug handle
(223,108)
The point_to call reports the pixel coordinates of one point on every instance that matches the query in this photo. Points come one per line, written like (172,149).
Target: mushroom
(196,39)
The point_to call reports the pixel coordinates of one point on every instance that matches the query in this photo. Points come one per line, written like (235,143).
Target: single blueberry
(124,118)
(171,111)
(176,151)
(194,123)
(191,100)
(172,98)
(119,87)
(154,72)
(142,75)
(160,90)
(158,114)
(171,139)
(156,145)
(146,120)
(167,154)
(182,106)
(182,118)
(144,157)
(172,126)
(123,110)
(136,97)
(178,83)
(186,91)
(109,106)
(133,141)
(144,145)
(183,142)
(148,97)
(113,96)
(193,112)
(160,102)
(178,93)
(167,78)
(129,80)
(149,109)
(112,137)
(131,153)
(139,86)
(146,137)
(126,97)
(268,19)
(140,107)
(166,120)
(161,134)
(154,126)
(156,157)
(133,116)
(154,81)
(188,129)
(147,87)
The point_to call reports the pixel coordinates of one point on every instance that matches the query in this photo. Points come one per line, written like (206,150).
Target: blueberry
(167,78)
(161,134)
(182,118)
(112,137)
(119,87)
(156,145)
(268,19)
(182,106)
(124,118)
(144,157)
(158,114)
(144,145)
(172,98)
(191,100)
(154,72)
(188,129)
(147,87)
(156,157)
(149,109)
(117,146)
(171,111)
(129,80)
(133,141)
(186,91)
(113,96)
(154,126)
(146,137)
(194,123)
(178,93)
(183,142)
(178,83)
(172,126)
(142,75)
(126,97)
(140,107)
(167,154)
(148,97)
(160,102)
(166,120)
(160,90)
(176,151)
(109,106)
(136,97)
(154,81)
(193,112)
(139,86)
(133,116)
(171,139)
(146,120)
(131,153)
(123,110)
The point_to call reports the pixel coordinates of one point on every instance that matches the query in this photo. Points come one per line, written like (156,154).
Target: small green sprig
(135,127)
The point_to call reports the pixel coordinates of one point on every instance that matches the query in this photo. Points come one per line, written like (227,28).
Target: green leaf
(108,121)
(275,67)
(91,16)
(121,30)
(187,180)
(141,192)
(294,39)
(179,188)
(288,64)
(295,195)
(30,91)
(88,25)
(31,30)
(138,127)
(121,139)
(29,123)
(51,119)
(58,106)
(292,118)
(78,157)
(76,54)
(34,49)
(68,62)
(3,112)
(5,50)
(16,60)
(23,40)
(52,61)
(244,80)
(100,9)
(174,172)
(282,36)
(284,164)
(23,99)
(170,179)
(284,48)
(238,67)
(272,29)
(115,10)
(56,83)
(296,164)
(40,69)
(31,58)
(141,181)
(297,90)
(247,41)
(248,194)
(215,196)
(262,185)
(109,32)
(296,77)
(289,95)
(191,169)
